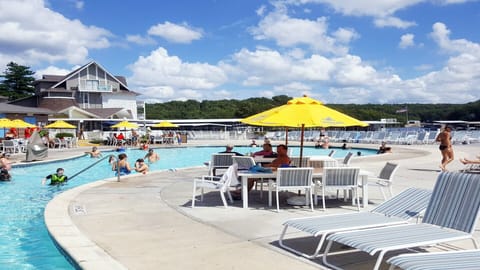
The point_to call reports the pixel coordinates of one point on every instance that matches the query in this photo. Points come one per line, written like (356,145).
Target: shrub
(43,132)
(63,135)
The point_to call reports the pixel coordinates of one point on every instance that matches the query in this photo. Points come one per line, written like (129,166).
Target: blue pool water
(24,240)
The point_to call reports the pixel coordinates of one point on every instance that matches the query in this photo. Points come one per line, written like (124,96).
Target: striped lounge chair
(451,260)
(451,215)
(397,210)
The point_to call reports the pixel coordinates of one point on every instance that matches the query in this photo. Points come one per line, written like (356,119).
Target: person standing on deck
(445,139)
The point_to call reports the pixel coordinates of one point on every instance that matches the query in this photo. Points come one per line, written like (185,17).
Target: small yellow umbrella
(19,123)
(302,112)
(60,124)
(125,124)
(5,123)
(165,124)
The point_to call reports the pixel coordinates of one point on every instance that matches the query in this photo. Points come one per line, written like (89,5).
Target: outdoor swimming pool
(24,239)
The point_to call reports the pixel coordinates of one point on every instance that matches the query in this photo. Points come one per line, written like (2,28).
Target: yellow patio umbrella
(165,124)
(19,123)
(302,112)
(125,124)
(60,124)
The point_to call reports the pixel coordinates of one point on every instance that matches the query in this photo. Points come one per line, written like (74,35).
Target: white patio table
(317,173)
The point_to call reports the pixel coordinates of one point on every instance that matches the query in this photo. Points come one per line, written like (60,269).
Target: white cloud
(441,35)
(79,5)
(138,39)
(345,35)
(406,41)
(392,22)
(26,35)
(363,7)
(52,70)
(289,32)
(176,33)
(160,72)
(261,10)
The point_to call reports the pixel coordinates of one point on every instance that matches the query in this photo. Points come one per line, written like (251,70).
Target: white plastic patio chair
(292,179)
(397,210)
(346,160)
(451,215)
(385,179)
(244,162)
(10,146)
(295,161)
(339,178)
(221,184)
(220,161)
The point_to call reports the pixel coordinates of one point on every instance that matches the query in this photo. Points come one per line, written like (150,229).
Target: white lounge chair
(451,260)
(397,210)
(451,215)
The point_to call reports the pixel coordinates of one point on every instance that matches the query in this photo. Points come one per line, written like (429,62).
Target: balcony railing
(105,88)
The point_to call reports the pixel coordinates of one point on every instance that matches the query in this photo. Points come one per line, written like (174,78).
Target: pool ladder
(98,161)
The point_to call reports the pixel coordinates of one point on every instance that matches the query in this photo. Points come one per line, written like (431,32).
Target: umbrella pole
(286,136)
(301,144)
(301,149)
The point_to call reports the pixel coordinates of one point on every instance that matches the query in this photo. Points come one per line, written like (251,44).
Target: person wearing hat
(229,150)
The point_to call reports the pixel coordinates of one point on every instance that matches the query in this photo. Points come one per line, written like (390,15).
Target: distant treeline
(232,108)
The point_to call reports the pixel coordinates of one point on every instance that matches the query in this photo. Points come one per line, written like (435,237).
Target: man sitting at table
(282,160)
(266,151)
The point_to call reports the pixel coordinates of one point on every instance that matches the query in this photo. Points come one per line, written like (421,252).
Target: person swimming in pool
(151,156)
(140,166)
(123,165)
(57,178)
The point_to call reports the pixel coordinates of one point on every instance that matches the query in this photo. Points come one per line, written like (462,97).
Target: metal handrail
(98,161)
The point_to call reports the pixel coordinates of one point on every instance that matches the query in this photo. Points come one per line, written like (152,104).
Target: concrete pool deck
(146,222)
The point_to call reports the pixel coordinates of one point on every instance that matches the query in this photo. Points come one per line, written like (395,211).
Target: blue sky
(337,51)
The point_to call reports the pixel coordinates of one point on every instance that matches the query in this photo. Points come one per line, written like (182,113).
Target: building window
(91,85)
(85,100)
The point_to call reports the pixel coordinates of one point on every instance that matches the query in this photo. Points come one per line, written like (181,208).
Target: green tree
(17,81)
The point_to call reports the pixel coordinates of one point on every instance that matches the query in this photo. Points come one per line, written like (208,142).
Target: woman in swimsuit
(123,165)
(445,147)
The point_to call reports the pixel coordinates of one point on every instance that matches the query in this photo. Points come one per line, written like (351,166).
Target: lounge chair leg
(313,256)
(379,260)
(325,254)
(193,195)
